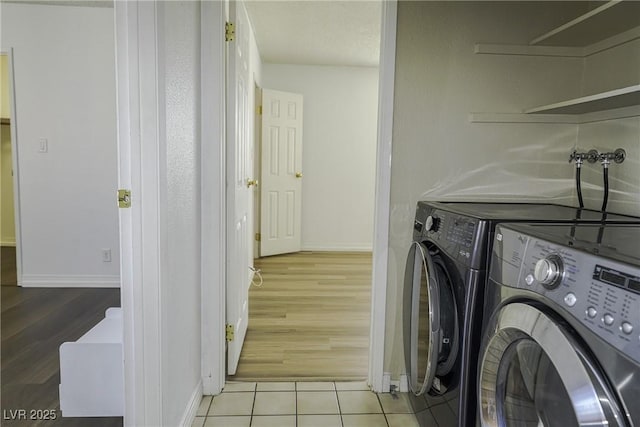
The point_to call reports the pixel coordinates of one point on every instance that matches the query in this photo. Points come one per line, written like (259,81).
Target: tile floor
(304,404)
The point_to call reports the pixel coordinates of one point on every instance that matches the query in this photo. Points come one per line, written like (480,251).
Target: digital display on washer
(617,278)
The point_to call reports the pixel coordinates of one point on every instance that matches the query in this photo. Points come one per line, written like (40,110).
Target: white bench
(92,371)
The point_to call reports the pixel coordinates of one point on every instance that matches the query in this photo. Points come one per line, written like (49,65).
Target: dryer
(443,297)
(561,344)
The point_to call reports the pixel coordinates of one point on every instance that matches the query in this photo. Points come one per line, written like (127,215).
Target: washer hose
(605,177)
(578,184)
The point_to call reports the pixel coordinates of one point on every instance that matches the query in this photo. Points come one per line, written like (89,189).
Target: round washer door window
(533,373)
(430,319)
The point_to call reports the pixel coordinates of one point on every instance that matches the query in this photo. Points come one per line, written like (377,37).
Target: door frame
(382,202)
(213,347)
(14,160)
(141,266)
(136,86)
(213,203)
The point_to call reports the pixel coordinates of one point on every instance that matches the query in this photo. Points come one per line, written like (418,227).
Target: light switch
(43,145)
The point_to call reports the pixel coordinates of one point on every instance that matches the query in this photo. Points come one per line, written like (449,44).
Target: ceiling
(345,33)
(313,32)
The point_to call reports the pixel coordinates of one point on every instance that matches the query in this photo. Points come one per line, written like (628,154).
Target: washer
(443,298)
(562,335)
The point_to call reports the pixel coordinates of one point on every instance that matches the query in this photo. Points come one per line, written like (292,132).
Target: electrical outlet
(43,145)
(106,255)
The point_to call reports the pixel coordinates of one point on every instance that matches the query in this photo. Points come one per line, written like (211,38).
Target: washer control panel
(604,295)
(456,235)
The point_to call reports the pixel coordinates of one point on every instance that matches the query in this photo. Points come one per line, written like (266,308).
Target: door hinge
(124,198)
(260,110)
(258,237)
(229,31)
(229,333)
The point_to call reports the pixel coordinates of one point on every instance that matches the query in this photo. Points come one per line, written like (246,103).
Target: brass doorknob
(298,174)
(252,182)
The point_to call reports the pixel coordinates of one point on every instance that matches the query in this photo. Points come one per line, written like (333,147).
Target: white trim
(573,119)
(383,194)
(11,243)
(337,248)
(523,118)
(140,227)
(613,41)
(13,117)
(526,50)
(213,198)
(192,407)
(382,202)
(404,384)
(386,383)
(559,51)
(75,281)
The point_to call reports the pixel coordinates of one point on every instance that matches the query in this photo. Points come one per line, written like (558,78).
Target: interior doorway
(8,241)
(280,308)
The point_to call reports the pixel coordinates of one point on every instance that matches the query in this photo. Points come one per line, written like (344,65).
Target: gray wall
(439,153)
(612,69)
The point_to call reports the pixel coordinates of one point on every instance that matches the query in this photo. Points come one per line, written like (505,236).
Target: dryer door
(534,373)
(430,320)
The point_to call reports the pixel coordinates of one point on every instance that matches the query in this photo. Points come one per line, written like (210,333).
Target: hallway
(310,318)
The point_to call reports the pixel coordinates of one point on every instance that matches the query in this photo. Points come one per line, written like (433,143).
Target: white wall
(438,153)
(339,148)
(180,142)
(65,92)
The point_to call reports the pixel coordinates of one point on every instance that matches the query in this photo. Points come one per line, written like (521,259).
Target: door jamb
(383,194)
(381,223)
(213,197)
(141,265)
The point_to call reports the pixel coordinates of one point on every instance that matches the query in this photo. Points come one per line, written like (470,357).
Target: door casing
(376,377)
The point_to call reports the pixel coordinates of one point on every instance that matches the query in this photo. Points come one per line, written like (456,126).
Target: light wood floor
(310,319)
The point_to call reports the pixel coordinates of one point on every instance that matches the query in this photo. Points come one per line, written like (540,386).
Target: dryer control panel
(601,293)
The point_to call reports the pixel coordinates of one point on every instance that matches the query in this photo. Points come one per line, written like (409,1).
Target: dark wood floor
(34,322)
(8,274)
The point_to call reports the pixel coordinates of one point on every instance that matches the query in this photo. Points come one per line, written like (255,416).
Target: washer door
(534,373)
(430,320)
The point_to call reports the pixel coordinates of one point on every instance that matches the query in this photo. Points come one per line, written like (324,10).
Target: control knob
(549,271)
(432,223)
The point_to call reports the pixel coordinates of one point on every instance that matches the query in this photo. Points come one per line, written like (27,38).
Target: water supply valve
(590,156)
(617,156)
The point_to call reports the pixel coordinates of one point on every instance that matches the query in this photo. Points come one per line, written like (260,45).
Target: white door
(239,192)
(281,186)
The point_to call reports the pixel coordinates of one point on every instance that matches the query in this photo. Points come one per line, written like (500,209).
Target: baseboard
(321,248)
(400,385)
(404,383)
(59,281)
(8,243)
(386,382)
(192,408)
